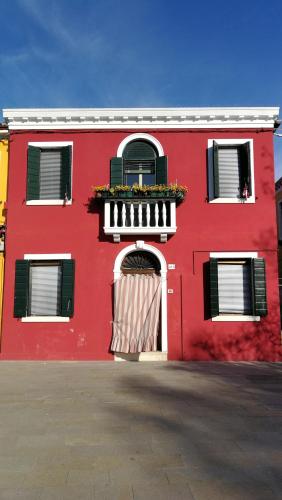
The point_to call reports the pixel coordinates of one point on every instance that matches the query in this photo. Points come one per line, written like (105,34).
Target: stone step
(141,356)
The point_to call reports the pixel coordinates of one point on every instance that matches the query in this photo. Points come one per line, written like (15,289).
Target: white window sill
(48,202)
(45,319)
(233,200)
(235,317)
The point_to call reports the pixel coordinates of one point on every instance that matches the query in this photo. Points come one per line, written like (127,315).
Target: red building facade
(215,252)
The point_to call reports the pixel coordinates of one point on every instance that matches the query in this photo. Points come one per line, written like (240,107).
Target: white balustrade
(140,217)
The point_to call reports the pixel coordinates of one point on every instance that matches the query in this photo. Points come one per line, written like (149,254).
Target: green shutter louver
(67,302)
(116,172)
(214,304)
(161,170)
(66,153)
(215,171)
(33,173)
(21,288)
(259,287)
(246,167)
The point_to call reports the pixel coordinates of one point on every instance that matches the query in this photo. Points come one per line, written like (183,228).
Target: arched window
(139,164)
(140,262)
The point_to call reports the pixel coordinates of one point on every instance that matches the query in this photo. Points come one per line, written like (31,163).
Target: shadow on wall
(267,187)
(96,206)
(259,341)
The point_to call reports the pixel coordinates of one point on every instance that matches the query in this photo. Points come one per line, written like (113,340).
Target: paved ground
(199,431)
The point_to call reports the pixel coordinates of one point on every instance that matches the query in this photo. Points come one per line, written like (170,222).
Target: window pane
(234,288)
(148,179)
(131,179)
(50,175)
(45,290)
(229,172)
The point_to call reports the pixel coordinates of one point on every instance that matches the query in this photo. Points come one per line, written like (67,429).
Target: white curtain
(137,306)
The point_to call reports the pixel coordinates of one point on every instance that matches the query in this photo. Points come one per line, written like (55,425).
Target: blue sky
(108,53)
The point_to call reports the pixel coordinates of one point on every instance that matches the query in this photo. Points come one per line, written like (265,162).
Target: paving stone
(175,492)
(155,430)
(114,492)
(20,494)
(73,492)
(40,477)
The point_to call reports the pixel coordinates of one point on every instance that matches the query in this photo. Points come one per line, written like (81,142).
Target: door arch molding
(140,245)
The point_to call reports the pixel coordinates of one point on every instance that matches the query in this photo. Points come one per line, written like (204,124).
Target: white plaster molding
(235,317)
(48,202)
(51,144)
(134,137)
(160,257)
(45,319)
(140,118)
(47,256)
(279,219)
(234,255)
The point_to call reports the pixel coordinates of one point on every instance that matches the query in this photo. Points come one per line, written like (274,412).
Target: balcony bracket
(116,238)
(163,237)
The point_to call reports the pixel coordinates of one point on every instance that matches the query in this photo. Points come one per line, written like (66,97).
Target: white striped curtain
(50,175)
(234,288)
(137,306)
(229,172)
(45,287)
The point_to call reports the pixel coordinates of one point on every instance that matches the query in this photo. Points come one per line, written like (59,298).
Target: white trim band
(233,255)
(235,317)
(45,319)
(51,144)
(47,256)
(48,202)
(140,118)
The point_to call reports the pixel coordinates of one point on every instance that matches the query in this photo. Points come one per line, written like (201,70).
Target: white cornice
(139,118)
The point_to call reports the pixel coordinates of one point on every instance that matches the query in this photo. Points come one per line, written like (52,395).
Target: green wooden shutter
(66,153)
(33,173)
(259,287)
(116,172)
(246,167)
(67,303)
(214,307)
(215,171)
(21,288)
(161,170)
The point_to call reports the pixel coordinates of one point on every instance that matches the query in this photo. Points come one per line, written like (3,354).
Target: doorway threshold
(141,356)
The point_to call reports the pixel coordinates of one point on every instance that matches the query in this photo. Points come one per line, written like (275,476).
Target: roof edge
(82,118)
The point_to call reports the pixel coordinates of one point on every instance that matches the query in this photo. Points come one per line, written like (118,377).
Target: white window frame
(52,145)
(47,257)
(234,255)
(229,142)
(279,219)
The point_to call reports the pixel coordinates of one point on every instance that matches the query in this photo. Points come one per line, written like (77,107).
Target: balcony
(141,217)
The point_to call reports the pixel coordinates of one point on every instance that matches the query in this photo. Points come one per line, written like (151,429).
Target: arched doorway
(146,262)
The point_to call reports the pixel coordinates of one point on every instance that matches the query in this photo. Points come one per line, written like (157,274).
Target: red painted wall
(202,228)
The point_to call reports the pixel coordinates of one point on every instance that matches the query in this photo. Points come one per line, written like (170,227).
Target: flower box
(172,191)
